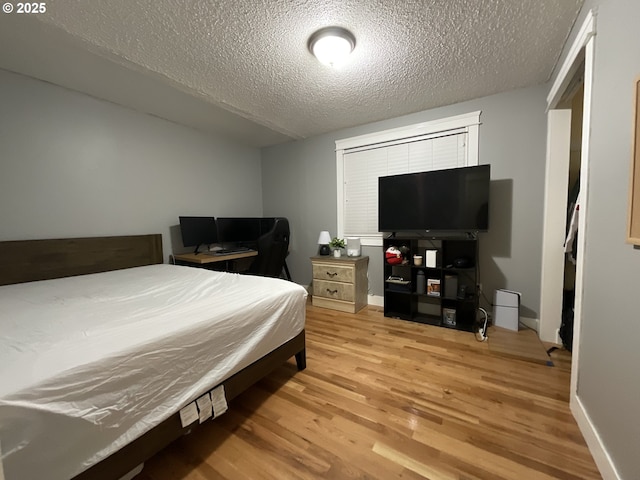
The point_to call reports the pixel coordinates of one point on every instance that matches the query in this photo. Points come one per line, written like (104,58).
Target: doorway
(575,75)
(573,100)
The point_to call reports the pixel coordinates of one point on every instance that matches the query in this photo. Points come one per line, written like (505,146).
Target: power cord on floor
(481,334)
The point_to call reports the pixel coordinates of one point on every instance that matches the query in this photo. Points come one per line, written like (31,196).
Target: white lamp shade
(325,238)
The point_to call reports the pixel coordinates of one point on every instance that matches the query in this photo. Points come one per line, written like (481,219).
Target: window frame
(469,123)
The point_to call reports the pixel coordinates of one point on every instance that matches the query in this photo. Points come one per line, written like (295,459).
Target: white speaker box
(506,309)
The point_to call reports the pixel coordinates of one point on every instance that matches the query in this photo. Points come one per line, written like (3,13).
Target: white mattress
(89,363)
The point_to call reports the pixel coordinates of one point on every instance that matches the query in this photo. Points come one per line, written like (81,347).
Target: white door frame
(583,46)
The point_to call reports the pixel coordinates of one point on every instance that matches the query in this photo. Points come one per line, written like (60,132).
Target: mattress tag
(219,401)
(189,414)
(205,407)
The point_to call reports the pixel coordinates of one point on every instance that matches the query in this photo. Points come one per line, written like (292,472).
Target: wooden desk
(234,262)
(204,258)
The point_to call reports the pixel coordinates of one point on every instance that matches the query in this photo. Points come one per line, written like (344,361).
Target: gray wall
(72,165)
(299,181)
(608,379)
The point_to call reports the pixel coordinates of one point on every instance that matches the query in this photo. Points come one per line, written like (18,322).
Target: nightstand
(340,283)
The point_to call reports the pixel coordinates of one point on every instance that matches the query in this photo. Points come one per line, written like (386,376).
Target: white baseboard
(532,323)
(594,442)
(377,300)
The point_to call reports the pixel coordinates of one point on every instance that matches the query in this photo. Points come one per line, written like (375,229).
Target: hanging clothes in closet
(571,240)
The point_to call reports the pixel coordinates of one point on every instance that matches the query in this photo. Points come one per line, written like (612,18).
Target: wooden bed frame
(30,260)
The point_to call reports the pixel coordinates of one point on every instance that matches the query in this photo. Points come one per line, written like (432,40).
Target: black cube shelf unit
(452,301)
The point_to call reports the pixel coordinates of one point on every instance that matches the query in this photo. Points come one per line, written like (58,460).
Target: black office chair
(273,248)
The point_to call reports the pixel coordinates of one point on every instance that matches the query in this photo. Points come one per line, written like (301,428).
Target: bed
(104,351)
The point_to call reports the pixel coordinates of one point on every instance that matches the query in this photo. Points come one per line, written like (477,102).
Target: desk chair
(273,248)
(287,275)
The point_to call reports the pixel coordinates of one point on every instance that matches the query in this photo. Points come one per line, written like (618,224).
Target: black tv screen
(198,231)
(455,199)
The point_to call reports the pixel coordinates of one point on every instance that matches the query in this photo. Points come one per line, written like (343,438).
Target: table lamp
(323,241)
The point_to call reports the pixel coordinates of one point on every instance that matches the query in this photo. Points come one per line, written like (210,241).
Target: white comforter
(89,363)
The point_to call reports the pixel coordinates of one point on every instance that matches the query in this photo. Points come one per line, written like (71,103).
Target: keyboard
(230,251)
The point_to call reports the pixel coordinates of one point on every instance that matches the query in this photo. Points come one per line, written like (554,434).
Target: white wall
(72,165)
(608,380)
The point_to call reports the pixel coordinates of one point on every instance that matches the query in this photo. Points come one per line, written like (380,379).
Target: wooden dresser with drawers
(340,283)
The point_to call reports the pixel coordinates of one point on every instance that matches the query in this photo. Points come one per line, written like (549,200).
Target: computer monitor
(198,231)
(239,229)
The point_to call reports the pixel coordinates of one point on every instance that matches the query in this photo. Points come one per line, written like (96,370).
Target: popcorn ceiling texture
(251,57)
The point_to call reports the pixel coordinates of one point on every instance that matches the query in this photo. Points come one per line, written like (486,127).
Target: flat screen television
(198,231)
(455,199)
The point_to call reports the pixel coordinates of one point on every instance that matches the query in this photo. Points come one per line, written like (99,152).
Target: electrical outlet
(479,287)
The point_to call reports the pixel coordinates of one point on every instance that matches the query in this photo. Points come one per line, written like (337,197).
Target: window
(446,143)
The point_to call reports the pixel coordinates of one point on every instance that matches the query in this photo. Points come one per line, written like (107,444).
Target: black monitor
(239,229)
(198,231)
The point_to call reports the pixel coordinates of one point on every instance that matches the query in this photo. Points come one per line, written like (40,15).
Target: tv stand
(452,299)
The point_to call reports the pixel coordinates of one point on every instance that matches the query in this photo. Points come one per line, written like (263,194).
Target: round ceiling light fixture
(332,45)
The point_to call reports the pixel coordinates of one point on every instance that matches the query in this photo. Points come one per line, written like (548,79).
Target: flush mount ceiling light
(332,45)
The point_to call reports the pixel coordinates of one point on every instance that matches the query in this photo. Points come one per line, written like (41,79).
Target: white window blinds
(444,143)
(363,167)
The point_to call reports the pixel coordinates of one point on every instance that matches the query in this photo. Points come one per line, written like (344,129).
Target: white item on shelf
(433,287)
(353,247)
(430,256)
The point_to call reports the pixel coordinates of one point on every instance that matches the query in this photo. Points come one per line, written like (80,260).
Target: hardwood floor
(386,399)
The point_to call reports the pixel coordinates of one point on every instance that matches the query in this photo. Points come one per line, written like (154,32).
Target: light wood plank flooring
(386,399)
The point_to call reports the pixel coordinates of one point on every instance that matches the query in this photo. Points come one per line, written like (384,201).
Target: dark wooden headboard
(30,260)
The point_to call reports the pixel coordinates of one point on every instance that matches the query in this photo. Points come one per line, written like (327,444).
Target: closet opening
(572,100)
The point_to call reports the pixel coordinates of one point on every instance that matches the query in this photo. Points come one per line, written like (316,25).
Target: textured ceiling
(242,68)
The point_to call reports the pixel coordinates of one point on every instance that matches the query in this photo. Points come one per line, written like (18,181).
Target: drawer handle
(332,274)
(332,292)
